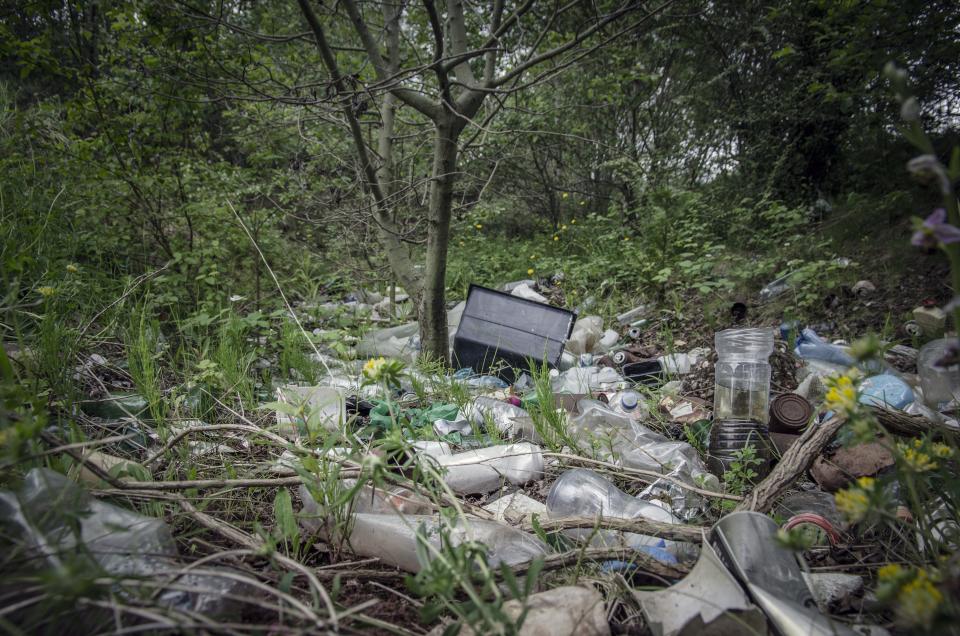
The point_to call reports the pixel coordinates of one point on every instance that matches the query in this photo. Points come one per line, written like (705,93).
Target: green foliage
(742,474)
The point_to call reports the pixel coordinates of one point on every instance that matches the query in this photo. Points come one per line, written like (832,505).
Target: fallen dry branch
(651,476)
(673,532)
(234,534)
(904,424)
(642,560)
(793,464)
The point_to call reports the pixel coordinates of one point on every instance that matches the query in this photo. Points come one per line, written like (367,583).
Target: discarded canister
(789,413)
(730,436)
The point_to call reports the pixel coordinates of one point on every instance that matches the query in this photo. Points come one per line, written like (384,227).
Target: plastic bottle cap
(629,400)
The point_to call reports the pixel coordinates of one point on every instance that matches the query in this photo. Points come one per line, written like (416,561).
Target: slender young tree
(494,51)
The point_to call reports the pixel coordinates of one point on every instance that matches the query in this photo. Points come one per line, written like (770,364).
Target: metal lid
(789,412)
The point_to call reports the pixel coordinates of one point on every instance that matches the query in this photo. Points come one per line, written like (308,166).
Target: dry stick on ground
(674,532)
(900,423)
(256,430)
(642,560)
(649,474)
(240,537)
(794,463)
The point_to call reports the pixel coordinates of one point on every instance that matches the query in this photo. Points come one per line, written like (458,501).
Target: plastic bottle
(583,493)
(728,437)
(810,346)
(629,316)
(627,403)
(393,539)
(742,386)
(941,385)
(486,469)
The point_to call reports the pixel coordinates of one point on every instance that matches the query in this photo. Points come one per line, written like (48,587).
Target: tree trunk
(433,307)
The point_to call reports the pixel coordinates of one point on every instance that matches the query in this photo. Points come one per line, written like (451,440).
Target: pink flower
(935,231)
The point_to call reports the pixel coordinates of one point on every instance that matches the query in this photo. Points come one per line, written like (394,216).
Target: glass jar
(742,384)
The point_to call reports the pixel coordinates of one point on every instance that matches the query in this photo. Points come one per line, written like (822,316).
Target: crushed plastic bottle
(56,524)
(510,420)
(622,440)
(810,346)
(581,492)
(393,539)
(484,470)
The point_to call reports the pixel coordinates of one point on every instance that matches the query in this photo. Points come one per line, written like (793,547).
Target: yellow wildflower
(842,395)
(373,368)
(583,203)
(564,195)
(853,503)
(556,238)
(573,221)
(942,450)
(866,483)
(46,291)
(890,572)
(72,268)
(917,461)
(478,226)
(530,272)
(918,600)
(626,238)
(563,228)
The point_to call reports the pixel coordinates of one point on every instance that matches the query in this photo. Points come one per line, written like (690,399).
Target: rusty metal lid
(789,413)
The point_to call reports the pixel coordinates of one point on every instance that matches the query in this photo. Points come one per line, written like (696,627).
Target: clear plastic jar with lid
(742,385)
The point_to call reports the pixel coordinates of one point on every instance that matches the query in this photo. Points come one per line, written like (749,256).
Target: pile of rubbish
(552,425)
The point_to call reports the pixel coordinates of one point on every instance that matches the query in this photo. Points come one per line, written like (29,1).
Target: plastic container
(729,437)
(742,385)
(885,390)
(941,385)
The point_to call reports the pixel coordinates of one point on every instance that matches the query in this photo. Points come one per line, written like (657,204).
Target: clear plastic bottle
(581,492)
(627,403)
(941,385)
(742,389)
(393,539)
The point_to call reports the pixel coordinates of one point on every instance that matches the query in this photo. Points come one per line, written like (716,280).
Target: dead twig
(673,532)
(642,560)
(795,462)
(649,474)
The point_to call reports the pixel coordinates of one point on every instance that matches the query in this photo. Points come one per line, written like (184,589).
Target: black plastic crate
(499,327)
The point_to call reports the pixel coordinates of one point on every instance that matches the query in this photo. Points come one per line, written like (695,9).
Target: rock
(844,465)
(833,590)
(863,288)
(570,610)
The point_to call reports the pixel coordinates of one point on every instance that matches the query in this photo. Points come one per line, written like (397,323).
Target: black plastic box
(499,327)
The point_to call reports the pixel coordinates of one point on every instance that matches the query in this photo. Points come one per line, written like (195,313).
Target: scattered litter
(516,508)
